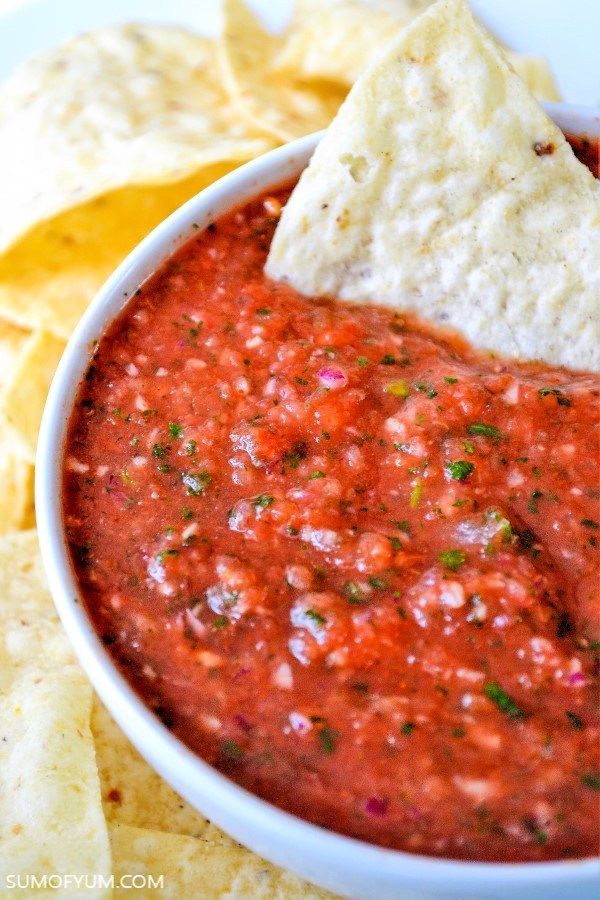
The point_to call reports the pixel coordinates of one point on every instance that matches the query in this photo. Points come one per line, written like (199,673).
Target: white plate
(567,32)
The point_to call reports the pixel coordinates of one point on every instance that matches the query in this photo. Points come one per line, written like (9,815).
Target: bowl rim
(265,828)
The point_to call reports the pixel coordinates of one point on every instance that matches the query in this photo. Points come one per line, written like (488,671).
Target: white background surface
(567,32)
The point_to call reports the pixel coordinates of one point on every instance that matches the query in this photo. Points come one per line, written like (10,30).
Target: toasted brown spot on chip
(543,149)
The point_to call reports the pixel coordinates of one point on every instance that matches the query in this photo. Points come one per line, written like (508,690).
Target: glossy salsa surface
(347,560)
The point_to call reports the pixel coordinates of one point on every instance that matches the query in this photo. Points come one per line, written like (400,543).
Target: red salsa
(346,559)
(587,150)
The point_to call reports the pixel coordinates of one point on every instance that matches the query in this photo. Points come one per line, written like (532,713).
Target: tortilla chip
(23,396)
(134,794)
(537,75)
(336,40)
(16,471)
(442,188)
(48,279)
(12,340)
(51,818)
(265,100)
(16,479)
(198,868)
(121,106)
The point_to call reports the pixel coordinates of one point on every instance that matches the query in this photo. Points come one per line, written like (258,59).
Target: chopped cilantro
(125,477)
(263,501)
(196,482)
(555,392)
(426,389)
(468,447)
(232,751)
(402,525)
(575,720)
(483,430)
(459,469)
(590,523)
(220,622)
(591,780)
(187,513)
(159,450)
(505,529)
(163,554)
(377,583)
(540,836)
(407,728)
(362,361)
(395,542)
(505,704)
(452,559)
(450,380)
(353,593)
(316,617)
(458,732)
(301,381)
(190,448)
(263,311)
(388,360)
(316,474)
(294,457)
(327,738)
(175,430)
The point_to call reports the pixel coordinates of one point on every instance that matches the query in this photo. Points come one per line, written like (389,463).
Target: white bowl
(340,863)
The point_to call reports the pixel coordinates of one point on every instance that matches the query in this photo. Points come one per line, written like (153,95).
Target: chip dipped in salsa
(347,559)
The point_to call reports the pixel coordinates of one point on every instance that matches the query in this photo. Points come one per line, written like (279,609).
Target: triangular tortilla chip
(23,396)
(134,794)
(442,188)
(120,106)
(265,99)
(536,73)
(48,278)
(12,340)
(200,868)
(16,480)
(100,139)
(51,820)
(335,40)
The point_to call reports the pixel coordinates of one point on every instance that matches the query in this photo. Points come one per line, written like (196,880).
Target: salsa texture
(587,151)
(349,561)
